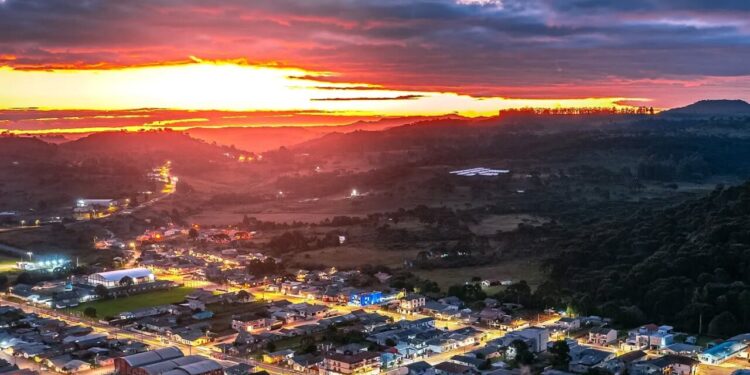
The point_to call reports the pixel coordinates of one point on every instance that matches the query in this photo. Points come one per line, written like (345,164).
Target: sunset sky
(89,64)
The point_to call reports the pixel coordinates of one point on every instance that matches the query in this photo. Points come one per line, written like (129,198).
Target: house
(473,362)
(239,369)
(493,317)
(308,311)
(411,304)
(450,368)
(192,337)
(281,356)
(488,351)
(352,348)
(683,349)
(203,315)
(569,324)
(251,323)
(602,336)
(305,362)
(75,366)
(362,363)
(390,359)
(650,336)
(420,368)
(421,323)
(58,363)
(620,364)
(451,301)
(668,364)
(583,360)
(440,311)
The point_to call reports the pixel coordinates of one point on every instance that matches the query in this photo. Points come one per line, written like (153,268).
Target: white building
(114,279)
(411,304)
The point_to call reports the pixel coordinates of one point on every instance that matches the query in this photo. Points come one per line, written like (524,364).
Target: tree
(3,281)
(271,347)
(723,325)
(126,281)
(486,365)
(25,278)
(390,342)
(561,355)
(193,233)
(523,356)
(90,312)
(101,291)
(243,295)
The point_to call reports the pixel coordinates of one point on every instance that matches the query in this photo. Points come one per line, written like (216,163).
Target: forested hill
(667,266)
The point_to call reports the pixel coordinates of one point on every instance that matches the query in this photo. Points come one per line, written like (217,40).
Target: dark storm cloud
(534,47)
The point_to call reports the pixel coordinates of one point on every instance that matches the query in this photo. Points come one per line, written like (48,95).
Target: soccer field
(112,307)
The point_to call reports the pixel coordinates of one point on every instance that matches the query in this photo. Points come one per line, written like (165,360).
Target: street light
(29,253)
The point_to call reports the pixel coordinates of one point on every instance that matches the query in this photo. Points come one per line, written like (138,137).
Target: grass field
(515,270)
(112,307)
(353,256)
(8,264)
(493,223)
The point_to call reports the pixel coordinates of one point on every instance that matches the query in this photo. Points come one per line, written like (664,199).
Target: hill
(266,138)
(153,145)
(25,148)
(712,108)
(677,265)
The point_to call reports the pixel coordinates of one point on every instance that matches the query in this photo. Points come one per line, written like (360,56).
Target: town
(375,187)
(176,307)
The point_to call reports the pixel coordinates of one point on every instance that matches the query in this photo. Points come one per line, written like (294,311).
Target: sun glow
(232,85)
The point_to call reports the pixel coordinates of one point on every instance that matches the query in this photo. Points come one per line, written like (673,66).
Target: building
(620,364)
(166,361)
(411,303)
(602,336)
(251,324)
(569,324)
(362,363)
(305,362)
(650,336)
(192,337)
(721,352)
(420,368)
(536,337)
(365,298)
(668,364)
(87,209)
(583,360)
(278,356)
(493,317)
(450,368)
(124,277)
(125,365)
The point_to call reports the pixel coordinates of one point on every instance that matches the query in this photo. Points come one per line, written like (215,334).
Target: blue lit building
(366,298)
(721,352)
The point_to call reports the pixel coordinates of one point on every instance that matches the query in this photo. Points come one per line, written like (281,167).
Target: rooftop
(117,275)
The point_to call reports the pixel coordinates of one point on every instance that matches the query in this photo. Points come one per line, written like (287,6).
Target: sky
(91,63)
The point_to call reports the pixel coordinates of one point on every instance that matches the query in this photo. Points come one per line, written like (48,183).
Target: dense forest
(687,265)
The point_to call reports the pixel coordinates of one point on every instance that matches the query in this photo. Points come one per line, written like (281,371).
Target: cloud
(543,48)
(376,98)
